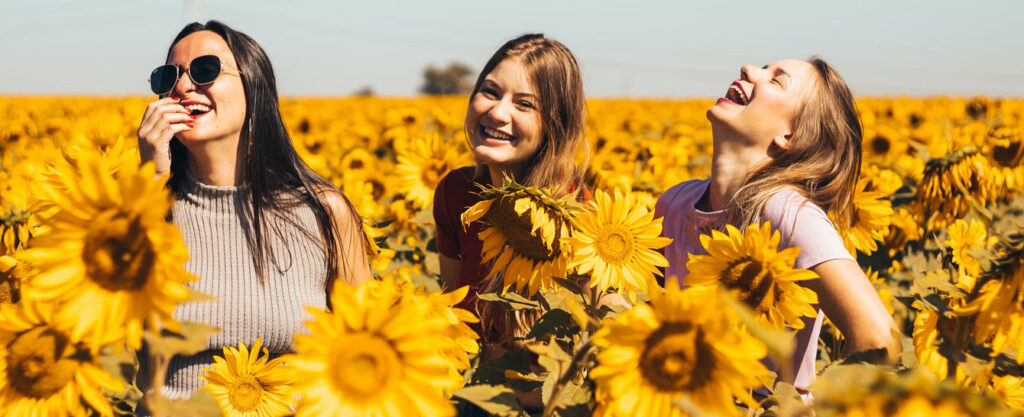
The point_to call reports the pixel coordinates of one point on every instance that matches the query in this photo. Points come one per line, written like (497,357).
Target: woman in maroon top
(525,120)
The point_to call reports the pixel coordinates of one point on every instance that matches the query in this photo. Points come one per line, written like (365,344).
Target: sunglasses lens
(204,69)
(161,81)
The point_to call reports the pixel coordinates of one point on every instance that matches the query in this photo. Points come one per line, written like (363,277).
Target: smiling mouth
(737,95)
(197,109)
(488,133)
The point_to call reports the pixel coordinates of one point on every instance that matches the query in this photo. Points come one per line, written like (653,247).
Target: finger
(152,106)
(153,119)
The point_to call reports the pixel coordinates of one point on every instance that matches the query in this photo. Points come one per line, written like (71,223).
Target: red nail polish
(177,99)
(189,125)
(194,116)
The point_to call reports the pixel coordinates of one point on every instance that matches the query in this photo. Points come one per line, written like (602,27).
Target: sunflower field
(90,270)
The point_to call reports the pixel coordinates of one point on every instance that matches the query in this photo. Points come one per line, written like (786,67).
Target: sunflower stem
(159,373)
(570,372)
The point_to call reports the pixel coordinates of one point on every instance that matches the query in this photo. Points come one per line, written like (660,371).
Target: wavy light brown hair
(555,76)
(823,162)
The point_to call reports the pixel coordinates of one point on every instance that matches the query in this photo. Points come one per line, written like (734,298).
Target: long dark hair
(277,177)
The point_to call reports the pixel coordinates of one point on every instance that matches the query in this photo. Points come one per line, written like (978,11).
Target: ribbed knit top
(213,227)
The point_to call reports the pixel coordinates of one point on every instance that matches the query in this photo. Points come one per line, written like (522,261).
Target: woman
(267,236)
(786,149)
(525,120)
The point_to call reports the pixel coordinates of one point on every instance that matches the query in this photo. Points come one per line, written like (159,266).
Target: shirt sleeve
(447,228)
(803,224)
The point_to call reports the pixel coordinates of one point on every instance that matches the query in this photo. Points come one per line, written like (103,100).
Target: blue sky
(638,48)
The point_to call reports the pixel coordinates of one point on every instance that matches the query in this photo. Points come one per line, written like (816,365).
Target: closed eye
(526,104)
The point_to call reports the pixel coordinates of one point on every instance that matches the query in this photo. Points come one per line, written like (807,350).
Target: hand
(162,120)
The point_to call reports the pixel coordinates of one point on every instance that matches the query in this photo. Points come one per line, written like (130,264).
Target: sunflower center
(366,365)
(37,362)
(431,174)
(1009,155)
(615,244)
(880,145)
(245,393)
(118,255)
(516,230)
(751,278)
(676,358)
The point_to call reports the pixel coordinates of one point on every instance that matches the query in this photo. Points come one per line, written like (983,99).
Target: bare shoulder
(335,202)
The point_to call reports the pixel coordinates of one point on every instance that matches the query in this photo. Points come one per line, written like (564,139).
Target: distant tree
(365,90)
(456,78)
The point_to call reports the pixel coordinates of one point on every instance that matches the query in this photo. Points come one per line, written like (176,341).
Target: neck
(498,175)
(216,162)
(731,161)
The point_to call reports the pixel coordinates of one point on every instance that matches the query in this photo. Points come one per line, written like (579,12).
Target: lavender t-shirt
(799,222)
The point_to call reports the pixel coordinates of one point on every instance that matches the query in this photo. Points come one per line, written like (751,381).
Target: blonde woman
(786,149)
(525,120)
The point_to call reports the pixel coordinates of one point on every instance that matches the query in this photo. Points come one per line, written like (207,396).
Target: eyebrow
(490,83)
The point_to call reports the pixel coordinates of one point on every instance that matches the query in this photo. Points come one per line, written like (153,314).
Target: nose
(184,84)
(500,112)
(752,74)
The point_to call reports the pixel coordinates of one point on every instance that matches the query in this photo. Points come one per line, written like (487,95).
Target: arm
(353,265)
(851,302)
(449,271)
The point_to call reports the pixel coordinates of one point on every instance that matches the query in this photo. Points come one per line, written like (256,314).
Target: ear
(783,142)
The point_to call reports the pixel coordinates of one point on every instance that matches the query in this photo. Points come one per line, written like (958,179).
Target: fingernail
(177,99)
(189,125)
(194,116)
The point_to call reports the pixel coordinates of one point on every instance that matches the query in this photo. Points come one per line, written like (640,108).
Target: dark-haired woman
(525,120)
(267,236)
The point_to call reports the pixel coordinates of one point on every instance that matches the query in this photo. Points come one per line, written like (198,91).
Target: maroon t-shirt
(454,194)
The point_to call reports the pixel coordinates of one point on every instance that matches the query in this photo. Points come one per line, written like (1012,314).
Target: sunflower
(751,266)
(964,236)
(111,256)
(524,237)
(385,353)
(933,334)
(951,183)
(997,304)
(882,180)
(358,163)
(44,370)
(246,384)
(871,218)
(904,228)
(683,344)
(862,391)
(442,305)
(615,242)
(1006,154)
(424,165)
(1009,389)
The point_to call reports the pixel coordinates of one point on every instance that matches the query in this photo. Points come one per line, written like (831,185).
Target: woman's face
(763,103)
(220,105)
(503,120)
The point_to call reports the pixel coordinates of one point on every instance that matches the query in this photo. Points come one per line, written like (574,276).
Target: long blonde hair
(823,162)
(555,75)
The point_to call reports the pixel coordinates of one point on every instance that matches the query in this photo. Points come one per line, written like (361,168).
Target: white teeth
(197,107)
(738,94)
(497,134)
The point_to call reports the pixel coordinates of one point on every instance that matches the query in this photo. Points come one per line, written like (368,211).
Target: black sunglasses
(203,70)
